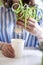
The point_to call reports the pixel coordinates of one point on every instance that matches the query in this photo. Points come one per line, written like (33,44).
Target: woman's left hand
(32,27)
(7,50)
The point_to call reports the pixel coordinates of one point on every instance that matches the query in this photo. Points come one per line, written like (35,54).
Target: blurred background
(0,2)
(39,2)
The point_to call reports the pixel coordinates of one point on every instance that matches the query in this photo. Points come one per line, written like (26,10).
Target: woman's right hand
(8,51)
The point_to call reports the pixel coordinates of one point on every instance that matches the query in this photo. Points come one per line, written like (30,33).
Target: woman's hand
(8,51)
(32,27)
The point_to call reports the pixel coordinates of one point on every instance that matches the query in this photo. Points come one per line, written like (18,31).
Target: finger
(4,53)
(32,20)
(9,52)
(4,48)
(7,55)
(31,24)
(20,23)
(28,24)
(29,28)
(20,20)
(10,48)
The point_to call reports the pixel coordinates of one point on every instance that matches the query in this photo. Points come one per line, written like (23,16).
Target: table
(30,57)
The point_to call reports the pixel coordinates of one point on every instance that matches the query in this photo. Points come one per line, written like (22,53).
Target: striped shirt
(7,24)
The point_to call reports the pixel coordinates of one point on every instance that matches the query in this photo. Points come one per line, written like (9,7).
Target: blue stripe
(22,32)
(17,36)
(14,18)
(31,41)
(2,24)
(9,16)
(35,42)
(25,43)
(3,29)
(5,26)
(27,40)
(21,35)
(9,25)
(0,19)
(13,34)
(14,22)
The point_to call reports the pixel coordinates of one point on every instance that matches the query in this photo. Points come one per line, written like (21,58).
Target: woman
(7,23)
